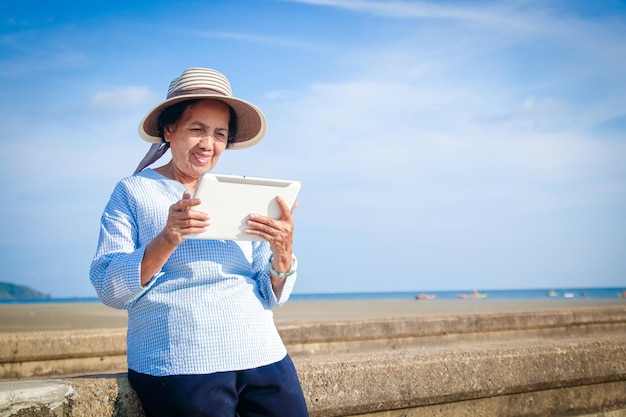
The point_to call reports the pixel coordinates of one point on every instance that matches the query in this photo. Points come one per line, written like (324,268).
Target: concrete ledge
(607,399)
(104,396)
(62,367)
(353,336)
(422,326)
(57,353)
(25,346)
(572,377)
(360,384)
(35,398)
(561,362)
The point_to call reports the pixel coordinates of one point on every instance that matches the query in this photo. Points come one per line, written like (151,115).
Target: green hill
(16,292)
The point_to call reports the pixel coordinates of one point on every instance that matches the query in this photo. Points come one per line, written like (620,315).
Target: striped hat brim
(204,83)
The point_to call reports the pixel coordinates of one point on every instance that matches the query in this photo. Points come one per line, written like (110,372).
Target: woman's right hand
(182,220)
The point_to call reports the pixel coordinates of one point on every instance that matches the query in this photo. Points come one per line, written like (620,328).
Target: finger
(183,231)
(295,204)
(192,222)
(258,221)
(266,225)
(189,225)
(188,216)
(187,201)
(284,208)
(261,226)
(182,219)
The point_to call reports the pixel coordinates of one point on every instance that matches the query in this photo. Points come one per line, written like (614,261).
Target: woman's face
(198,138)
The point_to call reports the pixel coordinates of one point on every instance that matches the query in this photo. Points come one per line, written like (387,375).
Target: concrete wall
(537,364)
(55,353)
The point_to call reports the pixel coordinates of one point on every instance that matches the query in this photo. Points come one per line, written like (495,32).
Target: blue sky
(441,145)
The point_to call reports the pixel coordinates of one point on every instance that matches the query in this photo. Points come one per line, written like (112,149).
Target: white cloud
(123,99)
(518,15)
(452,130)
(283,42)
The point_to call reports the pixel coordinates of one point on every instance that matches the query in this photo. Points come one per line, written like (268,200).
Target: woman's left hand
(279,234)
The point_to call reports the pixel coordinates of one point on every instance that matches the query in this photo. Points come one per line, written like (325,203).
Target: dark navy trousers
(269,391)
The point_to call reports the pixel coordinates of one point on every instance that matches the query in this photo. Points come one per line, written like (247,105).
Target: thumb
(182,204)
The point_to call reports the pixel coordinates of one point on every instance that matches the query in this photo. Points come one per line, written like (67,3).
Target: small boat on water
(424,296)
(553,293)
(569,295)
(475,294)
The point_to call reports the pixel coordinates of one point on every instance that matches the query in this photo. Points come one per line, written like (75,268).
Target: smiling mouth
(202,159)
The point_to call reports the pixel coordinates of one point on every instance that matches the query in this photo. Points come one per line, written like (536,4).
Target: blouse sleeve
(116,268)
(261,266)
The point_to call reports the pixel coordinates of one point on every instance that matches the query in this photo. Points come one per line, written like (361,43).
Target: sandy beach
(40,317)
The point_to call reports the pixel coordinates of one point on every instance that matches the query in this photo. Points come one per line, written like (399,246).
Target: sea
(490,295)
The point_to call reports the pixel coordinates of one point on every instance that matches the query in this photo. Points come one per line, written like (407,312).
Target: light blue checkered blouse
(207,310)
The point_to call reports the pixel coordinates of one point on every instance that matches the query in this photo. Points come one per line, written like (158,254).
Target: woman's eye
(196,131)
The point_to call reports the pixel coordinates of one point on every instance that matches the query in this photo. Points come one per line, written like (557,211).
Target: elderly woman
(201,335)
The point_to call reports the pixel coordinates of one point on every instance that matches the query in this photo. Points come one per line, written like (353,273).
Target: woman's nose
(207,142)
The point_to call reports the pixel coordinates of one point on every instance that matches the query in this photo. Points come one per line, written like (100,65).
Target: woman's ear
(167,132)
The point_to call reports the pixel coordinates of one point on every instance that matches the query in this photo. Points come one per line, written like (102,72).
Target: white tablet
(229,199)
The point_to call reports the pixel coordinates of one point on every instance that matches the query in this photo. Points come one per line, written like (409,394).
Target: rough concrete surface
(56,353)
(24,346)
(361,383)
(61,367)
(109,395)
(571,402)
(559,363)
(35,398)
(532,378)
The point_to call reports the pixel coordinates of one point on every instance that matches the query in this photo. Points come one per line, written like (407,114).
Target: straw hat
(199,83)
